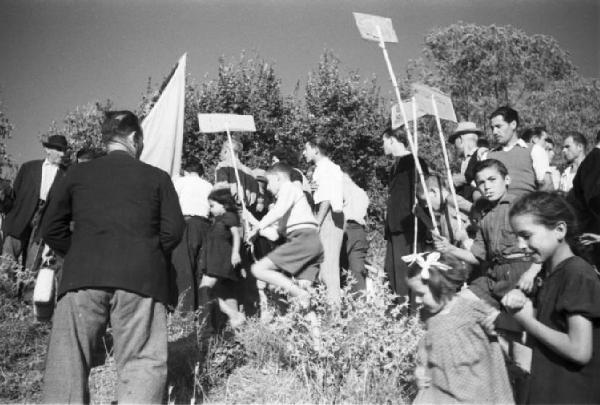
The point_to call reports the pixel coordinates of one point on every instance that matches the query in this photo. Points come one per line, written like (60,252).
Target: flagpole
(409,137)
(240,192)
(415,202)
(447,161)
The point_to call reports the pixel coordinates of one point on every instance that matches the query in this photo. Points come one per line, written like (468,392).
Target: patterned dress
(464,363)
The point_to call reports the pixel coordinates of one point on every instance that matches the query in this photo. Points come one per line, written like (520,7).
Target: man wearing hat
(33,185)
(465,138)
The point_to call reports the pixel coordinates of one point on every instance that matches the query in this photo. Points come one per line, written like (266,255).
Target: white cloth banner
(163,126)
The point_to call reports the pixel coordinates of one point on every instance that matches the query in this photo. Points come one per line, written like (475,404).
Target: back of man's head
(321,143)
(598,138)
(119,125)
(530,134)
(281,168)
(193,166)
(398,134)
(508,114)
(236,145)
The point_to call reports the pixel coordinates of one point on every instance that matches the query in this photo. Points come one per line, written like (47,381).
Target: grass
(363,353)
(22,340)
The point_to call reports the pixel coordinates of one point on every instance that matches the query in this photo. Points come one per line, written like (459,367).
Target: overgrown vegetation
(363,355)
(22,340)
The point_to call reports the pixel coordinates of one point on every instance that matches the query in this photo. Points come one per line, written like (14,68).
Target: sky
(57,55)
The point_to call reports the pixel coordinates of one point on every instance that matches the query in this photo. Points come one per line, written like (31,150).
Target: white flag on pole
(163,126)
(423,93)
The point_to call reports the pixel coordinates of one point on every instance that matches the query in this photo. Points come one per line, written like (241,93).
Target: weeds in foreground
(23,341)
(365,354)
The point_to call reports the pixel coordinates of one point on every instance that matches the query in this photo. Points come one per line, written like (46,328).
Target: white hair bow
(432,260)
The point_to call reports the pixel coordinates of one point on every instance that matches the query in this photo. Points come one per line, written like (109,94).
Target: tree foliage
(249,86)
(82,126)
(483,67)
(347,111)
(566,105)
(5,130)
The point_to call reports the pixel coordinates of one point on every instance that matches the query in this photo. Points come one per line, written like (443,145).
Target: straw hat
(465,127)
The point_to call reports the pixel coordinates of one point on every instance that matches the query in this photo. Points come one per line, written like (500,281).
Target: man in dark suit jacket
(126,221)
(35,181)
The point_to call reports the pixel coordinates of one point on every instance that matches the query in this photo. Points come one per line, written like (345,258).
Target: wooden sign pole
(241,193)
(409,137)
(447,162)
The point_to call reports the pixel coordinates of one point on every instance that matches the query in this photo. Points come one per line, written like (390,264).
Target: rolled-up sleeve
(478,247)
(329,178)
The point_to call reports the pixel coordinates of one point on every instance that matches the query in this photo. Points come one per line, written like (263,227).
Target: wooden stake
(409,137)
(447,162)
(241,192)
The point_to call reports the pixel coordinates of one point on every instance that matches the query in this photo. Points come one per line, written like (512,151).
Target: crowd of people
(508,285)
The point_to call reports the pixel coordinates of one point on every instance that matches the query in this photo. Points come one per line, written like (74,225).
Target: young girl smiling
(565,330)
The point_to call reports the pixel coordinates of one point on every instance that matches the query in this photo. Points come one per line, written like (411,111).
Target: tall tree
(483,67)
(248,86)
(82,126)
(6,128)
(347,111)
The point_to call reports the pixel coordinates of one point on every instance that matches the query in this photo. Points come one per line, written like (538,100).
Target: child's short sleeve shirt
(573,288)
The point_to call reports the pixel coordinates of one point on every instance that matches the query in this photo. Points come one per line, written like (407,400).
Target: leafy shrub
(22,341)
(365,355)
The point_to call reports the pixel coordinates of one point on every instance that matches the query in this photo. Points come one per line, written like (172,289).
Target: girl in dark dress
(566,329)
(221,256)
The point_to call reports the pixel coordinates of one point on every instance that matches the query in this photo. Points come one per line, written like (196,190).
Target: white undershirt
(48,174)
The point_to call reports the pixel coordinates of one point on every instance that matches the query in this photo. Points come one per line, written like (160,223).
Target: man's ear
(507,179)
(513,125)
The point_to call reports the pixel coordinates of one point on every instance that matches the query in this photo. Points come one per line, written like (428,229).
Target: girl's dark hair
(444,283)
(548,208)
(223,196)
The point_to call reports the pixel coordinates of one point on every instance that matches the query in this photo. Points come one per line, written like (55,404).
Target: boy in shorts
(301,253)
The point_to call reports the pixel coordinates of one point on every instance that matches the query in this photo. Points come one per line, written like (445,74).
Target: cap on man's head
(57,142)
(464,127)
(120,124)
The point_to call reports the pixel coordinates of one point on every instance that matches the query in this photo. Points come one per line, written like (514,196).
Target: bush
(364,356)
(23,341)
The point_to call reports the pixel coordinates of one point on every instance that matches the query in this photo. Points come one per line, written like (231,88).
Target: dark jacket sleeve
(18,180)
(55,226)
(172,223)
